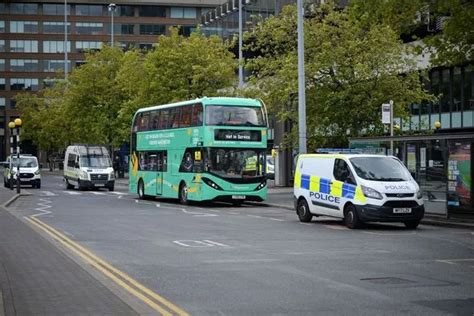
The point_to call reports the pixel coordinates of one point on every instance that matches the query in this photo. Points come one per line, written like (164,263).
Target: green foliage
(98,101)
(351,68)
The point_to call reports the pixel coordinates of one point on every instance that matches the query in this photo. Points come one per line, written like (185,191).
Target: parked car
(29,171)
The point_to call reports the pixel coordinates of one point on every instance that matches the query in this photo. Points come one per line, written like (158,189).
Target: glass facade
(2,64)
(85,45)
(55,9)
(55,46)
(89,28)
(55,27)
(24,65)
(2,26)
(121,29)
(55,65)
(23,27)
(2,83)
(23,8)
(2,45)
(182,13)
(125,10)
(152,29)
(2,102)
(24,84)
(23,46)
(152,11)
(89,10)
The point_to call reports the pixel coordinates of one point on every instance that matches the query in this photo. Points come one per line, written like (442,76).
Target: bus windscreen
(234,116)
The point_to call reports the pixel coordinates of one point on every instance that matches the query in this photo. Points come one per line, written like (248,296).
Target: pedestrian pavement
(36,278)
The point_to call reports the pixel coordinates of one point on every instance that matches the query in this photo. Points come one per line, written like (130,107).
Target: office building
(33,47)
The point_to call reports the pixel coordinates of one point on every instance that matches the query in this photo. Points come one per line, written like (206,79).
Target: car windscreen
(380,169)
(99,162)
(234,115)
(25,162)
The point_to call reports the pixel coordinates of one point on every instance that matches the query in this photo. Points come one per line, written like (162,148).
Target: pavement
(36,278)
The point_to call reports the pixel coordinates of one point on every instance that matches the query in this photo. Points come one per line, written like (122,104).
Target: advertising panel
(459,176)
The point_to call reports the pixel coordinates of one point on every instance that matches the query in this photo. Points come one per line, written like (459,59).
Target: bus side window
(186,116)
(137,122)
(164,160)
(165,119)
(155,120)
(175,117)
(144,122)
(197,115)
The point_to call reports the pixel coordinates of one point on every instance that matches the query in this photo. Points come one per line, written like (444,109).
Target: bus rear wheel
(183,194)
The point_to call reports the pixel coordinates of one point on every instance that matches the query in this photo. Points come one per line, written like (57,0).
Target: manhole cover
(387,280)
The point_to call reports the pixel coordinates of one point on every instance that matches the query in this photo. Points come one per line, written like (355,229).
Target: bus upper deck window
(197,115)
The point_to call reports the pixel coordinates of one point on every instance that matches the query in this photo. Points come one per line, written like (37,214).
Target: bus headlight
(261,186)
(211,183)
(371,193)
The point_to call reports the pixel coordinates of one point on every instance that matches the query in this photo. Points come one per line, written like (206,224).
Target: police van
(357,188)
(88,167)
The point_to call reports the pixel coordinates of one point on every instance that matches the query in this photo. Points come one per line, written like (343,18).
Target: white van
(88,167)
(29,171)
(357,188)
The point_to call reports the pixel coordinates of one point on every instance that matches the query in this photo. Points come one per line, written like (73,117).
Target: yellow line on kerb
(109,271)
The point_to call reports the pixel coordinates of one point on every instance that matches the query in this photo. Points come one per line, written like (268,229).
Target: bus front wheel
(141,190)
(183,194)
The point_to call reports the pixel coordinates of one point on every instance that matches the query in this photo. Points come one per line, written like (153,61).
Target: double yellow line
(155,301)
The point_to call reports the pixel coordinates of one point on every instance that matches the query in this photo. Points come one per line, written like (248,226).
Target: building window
(186,30)
(24,46)
(152,11)
(152,29)
(24,84)
(2,26)
(55,46)
(85,45)
(89,28)
(55,27)
(2,64)
(88,10)
(55,9)
(23,8)
(468,87)
(2,102)
(183,13)
(23,65)
(23,27)
(145,46)
(121,29)
(2,83)
(125,10)
(55,65)
(2,8)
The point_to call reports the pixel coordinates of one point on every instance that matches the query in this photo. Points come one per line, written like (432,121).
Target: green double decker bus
(207,149)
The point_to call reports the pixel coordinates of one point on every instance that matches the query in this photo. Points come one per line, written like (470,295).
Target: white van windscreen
(99,162)
(380,169)
(25,162)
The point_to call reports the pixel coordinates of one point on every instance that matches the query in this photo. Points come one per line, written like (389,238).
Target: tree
(350,68)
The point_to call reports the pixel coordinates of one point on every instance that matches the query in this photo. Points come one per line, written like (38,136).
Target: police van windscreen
(99,162)
(25,162)
(234,115)
(380,169)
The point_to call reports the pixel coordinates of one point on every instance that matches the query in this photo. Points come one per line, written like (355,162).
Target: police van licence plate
(402,210)
(238,197)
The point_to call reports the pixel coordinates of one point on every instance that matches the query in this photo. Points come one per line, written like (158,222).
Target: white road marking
(44,205)
(48,193)
(73,193)
(98,193)
(199,243)
(276,219)
(255,216)
(336,227)
(455,261)
(117,193)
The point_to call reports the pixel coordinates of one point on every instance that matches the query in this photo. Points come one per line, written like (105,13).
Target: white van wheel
(302,209)
(350,218)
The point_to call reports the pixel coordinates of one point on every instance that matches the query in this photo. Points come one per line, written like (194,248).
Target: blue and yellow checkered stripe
(328,186)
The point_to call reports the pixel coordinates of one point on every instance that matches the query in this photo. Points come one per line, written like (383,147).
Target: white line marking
(117,193)
(44,205)
(255,216)
(215,243)
(98,193)
(276,219)
(48,193)
(198,243)
(336,227)
(73,193)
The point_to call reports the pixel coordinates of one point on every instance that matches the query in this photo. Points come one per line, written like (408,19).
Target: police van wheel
(302,209)
(68,185)
(411,224)
(183,194)
(350,218)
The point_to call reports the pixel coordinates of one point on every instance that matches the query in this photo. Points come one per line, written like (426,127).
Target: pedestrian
(116,165)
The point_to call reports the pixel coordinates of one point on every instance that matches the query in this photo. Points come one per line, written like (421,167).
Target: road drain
(388,280)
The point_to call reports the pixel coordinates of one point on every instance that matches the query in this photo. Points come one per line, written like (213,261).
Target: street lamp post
(65,41)
(241,70)
(301,82)
(16,124)
(112,8)
(13,145)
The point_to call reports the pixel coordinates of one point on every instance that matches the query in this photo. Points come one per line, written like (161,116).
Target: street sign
(386,113)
